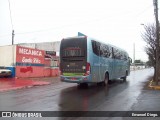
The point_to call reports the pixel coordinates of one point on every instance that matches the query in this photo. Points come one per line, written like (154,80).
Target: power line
(142,12)
(54,28)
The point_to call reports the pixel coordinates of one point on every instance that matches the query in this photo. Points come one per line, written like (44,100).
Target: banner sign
(29,57)
(50,54)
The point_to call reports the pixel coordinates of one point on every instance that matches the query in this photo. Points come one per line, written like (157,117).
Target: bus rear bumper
(77,79)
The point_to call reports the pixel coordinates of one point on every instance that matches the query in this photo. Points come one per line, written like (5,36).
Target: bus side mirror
(130,60)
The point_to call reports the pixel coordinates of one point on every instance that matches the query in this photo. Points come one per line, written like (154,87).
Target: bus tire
(106,79)
(125,77)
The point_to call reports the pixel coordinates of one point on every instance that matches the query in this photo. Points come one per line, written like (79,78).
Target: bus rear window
(73,47)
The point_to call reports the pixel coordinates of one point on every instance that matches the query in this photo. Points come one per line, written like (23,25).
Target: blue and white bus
(85,60)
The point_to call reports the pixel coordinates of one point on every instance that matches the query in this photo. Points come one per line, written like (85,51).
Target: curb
(155,87)
(14,88)
(23,87)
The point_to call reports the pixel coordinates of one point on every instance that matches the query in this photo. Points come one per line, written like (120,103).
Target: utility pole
(157,71)
(13,37)
(11,22)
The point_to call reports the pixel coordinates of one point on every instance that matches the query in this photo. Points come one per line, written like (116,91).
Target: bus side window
(102,50)
(116,53)
(105,51)
(96,47)
(108,51)
(125,57)
(113,53)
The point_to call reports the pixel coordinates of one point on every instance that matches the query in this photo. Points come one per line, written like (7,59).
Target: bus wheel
(125,77)
(106,79)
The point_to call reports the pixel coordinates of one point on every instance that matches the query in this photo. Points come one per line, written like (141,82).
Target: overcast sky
(117,22)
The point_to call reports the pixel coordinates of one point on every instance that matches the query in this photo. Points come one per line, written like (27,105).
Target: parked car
(4,72)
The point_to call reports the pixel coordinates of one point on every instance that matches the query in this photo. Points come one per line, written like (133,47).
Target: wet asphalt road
(119,96)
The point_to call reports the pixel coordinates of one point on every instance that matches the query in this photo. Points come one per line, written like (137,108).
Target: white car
(5,72)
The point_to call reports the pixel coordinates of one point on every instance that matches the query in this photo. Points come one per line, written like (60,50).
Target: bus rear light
(88,68)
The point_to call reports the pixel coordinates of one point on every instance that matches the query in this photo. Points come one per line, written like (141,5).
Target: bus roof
(74,37)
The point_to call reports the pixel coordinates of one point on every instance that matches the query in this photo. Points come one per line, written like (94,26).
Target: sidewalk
(51,80)
(7,84)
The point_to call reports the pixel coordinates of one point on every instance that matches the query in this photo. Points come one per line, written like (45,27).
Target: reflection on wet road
(119,95)
(68,97)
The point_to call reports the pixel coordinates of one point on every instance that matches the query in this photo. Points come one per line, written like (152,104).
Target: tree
(149,36)
(149,64)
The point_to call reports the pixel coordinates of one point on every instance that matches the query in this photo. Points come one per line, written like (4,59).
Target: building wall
(51,66)
(47,46)
(25,64)
(29,62)
(32,63)
(7,55)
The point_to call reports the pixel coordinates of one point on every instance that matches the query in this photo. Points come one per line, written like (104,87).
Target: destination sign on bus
(73,51)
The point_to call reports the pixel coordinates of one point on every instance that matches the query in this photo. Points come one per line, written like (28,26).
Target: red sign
(29,62)
(29,55)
